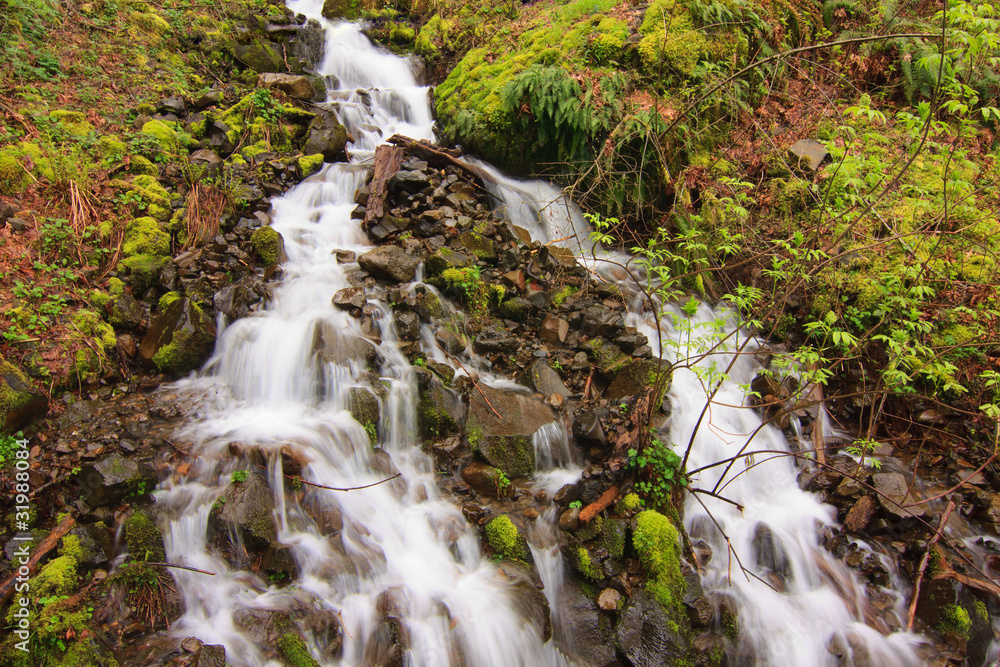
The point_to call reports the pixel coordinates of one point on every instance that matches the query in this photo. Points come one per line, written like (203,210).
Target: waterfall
(402,545)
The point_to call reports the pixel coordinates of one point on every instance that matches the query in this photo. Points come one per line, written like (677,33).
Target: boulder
(248,508)
(350,298)
(293,85)
(112,478)
(364,407)
(637,375)
(544,379)
(485,479)
(600,320)
(326,136)
(892,489)
(389,262)
(440,410)
(20,403)
(553,330)
(647,636)
(860,514)
(234,301)
(505,441)
(583,633)
(338,346)
(808,154)
(179,339)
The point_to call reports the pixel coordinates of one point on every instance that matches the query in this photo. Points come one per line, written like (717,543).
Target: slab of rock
(809,154)
(326,136)
(602,321)
(646,636)
(389,262)
(293,85)
(860,514)
(892,489)
(588,635)
(544,379)
(505,441)
(484,479)
(338,346)
(554,329)
(248,507)
(180,339)
(20,403)
(113,477)
(636,376)
(350,298)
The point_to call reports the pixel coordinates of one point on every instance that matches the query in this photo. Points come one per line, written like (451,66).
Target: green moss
(151,190)
(143,236)
(586,565)
(613,537)
(167,299)
(401,34)
(13,177)
(310,164)
(58,577)
(954,619)
(630,503)
(142,270)
(71,547)
(74,122)
(655,541)
(144,540)
(140,165)
(475,437)
(294,651)
(590,530)
(559,297)
(167,139)
(505,539)
(184,352)
(90,324)
(265,242)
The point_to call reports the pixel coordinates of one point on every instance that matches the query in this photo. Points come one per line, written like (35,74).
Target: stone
(586,635)
(339,346)
(602,321)
(553,330)
(389,262)
(485,479)
(514,280)
(569,520)
(179,339)
(608,599)
(892,489)
(234,301)
(20,403)
(174,105)
(211,98)
(493,339)
(809,154)
(326,136)
(259,55)
(248,508)
(293,85)
(440,411)
(126,313)
(477,245)
(636,375)
(409,181)
(113,477)
(860,514)
(587,426)
(350,298)
(364,407)
(279,564)
(544,379)
(646,636)
(407,324)
(505,441)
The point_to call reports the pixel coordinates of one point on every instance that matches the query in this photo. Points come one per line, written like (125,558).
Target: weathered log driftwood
(387,162)
(47,544)
(439,157)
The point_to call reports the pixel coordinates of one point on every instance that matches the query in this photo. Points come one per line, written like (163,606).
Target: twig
(923,565)
(182,567)
(475,384)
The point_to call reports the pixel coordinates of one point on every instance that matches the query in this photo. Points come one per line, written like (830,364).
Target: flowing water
(402,545)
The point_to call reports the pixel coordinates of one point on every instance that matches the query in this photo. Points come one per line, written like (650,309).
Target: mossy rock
(179,339)
(342,9)
(310,164)
(267,245)
(144,539)
(141,271)
(504,539)
(260,56)
(143,236)
(295,652)
(13,177)
(586,564)
(655,541)
(20,403)
(167,140)
(74,122)
(142,166)
(151,190)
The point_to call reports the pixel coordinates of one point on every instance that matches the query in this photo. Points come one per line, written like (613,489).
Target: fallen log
(47,544)
(439,157)
(388,159)
(599,505)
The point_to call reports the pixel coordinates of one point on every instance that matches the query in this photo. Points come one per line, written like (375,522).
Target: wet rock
(326,136)
(350,298)
(299,87)
(445,259)
(700,610)
(647,636)
(608,357)
(389,262)
(544,379)
(949,607)
(505,441)
(440,411)
(860,514)
(569,520)
(486,479)
(769,553)
(278,563)
(126,312)
(494,339)
(20,403)
(586,635)
(513,280)
(892,489)
(407,324)
(113,477)
(566,495)
(409,181)
(386,227)
(587,426)
(363,406)
(531,605)
(477,245)
(217,138)
(235,301)
(517,309)
(248,508)
(609,599)
(264,626)
(809,154)
(428,304)
(335,345)
(180,339)
(602,321)
(636,376)
(553,330)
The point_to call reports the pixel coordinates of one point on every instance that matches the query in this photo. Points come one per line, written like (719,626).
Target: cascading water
(278,381)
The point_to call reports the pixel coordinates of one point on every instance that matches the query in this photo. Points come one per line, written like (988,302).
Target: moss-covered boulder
(259,55)
(295,652)
(501,430)
(342,9)
(636,375)
(440,410)
(247,507)
(326,136)
(20,403)
(13,177)
(364,407)
(144,539)
(656,542)
(505,540)
(73,122)
(143,236)
(163,137)
(112,478)
(268,246)
(140,272)
(179,339)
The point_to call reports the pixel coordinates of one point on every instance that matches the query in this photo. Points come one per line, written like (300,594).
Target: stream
(406,546)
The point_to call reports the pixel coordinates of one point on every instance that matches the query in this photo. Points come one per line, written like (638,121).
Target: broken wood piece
(599,505)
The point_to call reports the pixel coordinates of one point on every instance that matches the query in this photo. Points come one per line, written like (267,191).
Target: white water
(266,386)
